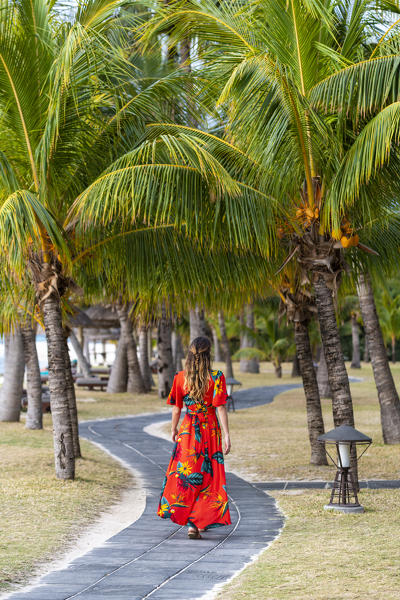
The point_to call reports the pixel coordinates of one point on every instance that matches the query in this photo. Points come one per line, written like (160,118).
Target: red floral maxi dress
(194,487)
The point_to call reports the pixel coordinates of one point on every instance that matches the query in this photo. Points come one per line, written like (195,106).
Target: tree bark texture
(242,321)
(248,365)
(86,349)
(225,345)
(393,349)
(322,377)
(118,380)
(165,366)
(60,411)
(177,351)
(144,357)
(135,379)
(355,338)
(83,363)
(295,367)
(217,348)
(315,421)
(387,393)
(197,323)
(366,351)
(342,404)
(73,410)
(278,368)
(34,415)
(14,368)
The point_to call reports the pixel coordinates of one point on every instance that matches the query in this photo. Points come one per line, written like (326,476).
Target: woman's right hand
(174,434)
(227,445)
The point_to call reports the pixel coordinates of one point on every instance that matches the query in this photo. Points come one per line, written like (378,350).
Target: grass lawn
(276,440)
(41,515)
(100,405)
(319,555)
(325,556)
(44,515)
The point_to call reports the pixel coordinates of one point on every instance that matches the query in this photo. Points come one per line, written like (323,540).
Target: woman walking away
(194,489)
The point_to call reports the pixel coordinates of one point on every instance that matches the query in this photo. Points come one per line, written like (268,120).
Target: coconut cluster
(346,235)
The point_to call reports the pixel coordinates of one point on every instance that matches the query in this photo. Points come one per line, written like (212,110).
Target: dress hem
(188,522)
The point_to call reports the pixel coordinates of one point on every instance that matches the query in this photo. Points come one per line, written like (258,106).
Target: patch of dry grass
(326,556)
(100,405)
(276,440)
(41,515)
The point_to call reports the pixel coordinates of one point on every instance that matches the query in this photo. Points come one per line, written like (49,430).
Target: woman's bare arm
(223,419)
(176,413)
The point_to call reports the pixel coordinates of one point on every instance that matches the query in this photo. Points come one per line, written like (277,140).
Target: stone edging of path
(373,484)
(153,557)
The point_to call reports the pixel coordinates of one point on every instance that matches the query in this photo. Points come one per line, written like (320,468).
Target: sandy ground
(158,430)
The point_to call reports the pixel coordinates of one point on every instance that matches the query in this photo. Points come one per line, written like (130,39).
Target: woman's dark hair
(197,368)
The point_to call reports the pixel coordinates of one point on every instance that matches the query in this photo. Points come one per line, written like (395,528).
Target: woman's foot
(194,533)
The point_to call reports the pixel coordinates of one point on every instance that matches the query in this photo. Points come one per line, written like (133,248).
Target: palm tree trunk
(216,344)
(355,337)
(225,345)
(197,323)
(144,357)
(165,366)
(34,415)
(73,410)
(242,321)
(119,371)
(177,351)
(324,388)
(14,367)
(296,366)
(248,365)
(86,349)
(342,404)
(366,350)
(315,419)
(387,393)
(83,363)
(135,379)
(393,349)
(59,401)
(277,368)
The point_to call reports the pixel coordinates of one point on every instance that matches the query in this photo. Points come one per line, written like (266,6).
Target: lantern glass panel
(344,454)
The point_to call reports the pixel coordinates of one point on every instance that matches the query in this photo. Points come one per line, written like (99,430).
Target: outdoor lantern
(230,383)
(344,490)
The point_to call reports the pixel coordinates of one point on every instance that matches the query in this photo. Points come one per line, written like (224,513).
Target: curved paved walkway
(152,558)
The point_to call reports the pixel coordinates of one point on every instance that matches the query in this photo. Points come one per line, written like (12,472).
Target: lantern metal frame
(230,384)
(344,495)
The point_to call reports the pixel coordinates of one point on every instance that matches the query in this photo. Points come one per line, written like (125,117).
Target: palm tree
(63,109)
(34,416)
(143,335)
(271,340)
(280,73)
(14,368)
(197,322)
(248,365)
(355,337)
(287,157)
(388,306)
(83,363)
(387,394)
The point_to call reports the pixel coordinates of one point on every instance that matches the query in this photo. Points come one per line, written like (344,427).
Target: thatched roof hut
(102,317)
